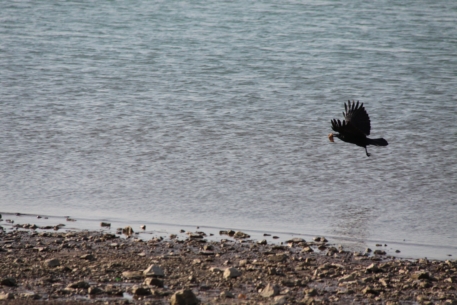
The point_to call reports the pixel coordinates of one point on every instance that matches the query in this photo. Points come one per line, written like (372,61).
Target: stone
(152,281)
(154,271)
(140,290)
(52,262)
(373,268)
(231,273)
(241,235)
(127,230)
(277,258)
(80,284)
(8,281)
(226,295)
(370,290)
(307,249)
(95,290)
(88,257)
(421,275)
(215,270)
(311,292)
(270,291)
(348,278)
(320,239)
(105,224)
(379,252)
(384,283)
(184,297)
(280,300)
(6,296)
(132,274)
(296,240)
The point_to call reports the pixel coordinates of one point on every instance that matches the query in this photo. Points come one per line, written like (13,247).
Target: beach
(54,265)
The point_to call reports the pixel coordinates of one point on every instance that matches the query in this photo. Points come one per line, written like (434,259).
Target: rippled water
(217,113)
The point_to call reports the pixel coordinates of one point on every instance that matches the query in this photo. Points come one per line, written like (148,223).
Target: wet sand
(53,265)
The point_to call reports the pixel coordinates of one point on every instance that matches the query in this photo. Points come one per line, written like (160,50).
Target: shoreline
(73,266)
(403,250)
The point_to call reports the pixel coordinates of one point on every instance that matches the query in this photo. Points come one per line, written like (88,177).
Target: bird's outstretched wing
(347,129)
(357,116)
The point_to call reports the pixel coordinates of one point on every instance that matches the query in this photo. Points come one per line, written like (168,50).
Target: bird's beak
(330,137)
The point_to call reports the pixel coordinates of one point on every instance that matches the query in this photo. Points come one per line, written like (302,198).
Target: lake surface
(216,113)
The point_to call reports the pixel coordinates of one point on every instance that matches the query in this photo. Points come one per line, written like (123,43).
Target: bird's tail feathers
(377,142)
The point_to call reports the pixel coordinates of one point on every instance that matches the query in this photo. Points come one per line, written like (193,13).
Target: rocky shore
(53,266)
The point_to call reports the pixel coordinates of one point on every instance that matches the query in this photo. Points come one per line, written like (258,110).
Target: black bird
(355,127)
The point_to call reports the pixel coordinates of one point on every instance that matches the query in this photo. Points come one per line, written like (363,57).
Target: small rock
(262,242)
(6,296)
(373,268)
(307,249)
(154,271)
(80,284)
(279,257)
(421,275)
(95,290)
(370,290)
(379,252)
(384,283)
(241,235)
(231,273)
(132,274)
(311,292)
(8,281)
(280,300)
(51,263)
(348,278)
(105,224)
(151,281)
(270,291)
(215,270)
(226,295)
(88,257)
(143,227)
(320,239)
(184,297)
(140,290)
(127,230)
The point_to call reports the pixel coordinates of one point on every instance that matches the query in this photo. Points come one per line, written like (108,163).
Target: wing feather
(356,115)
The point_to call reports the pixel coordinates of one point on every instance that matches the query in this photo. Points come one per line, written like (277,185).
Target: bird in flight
(355,127)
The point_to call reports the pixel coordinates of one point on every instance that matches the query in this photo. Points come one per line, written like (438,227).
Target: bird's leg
(367,152)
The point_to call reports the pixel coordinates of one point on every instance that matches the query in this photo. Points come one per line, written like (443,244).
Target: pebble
(52,262)
(226,295)
(184,297)
(270,290)
(154,270)
(231,273)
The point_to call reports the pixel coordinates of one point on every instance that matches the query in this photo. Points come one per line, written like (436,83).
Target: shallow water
(217,114)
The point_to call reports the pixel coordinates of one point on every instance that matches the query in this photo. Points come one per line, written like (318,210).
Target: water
(217,114)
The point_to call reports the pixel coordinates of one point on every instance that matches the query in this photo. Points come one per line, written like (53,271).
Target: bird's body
(355,127)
